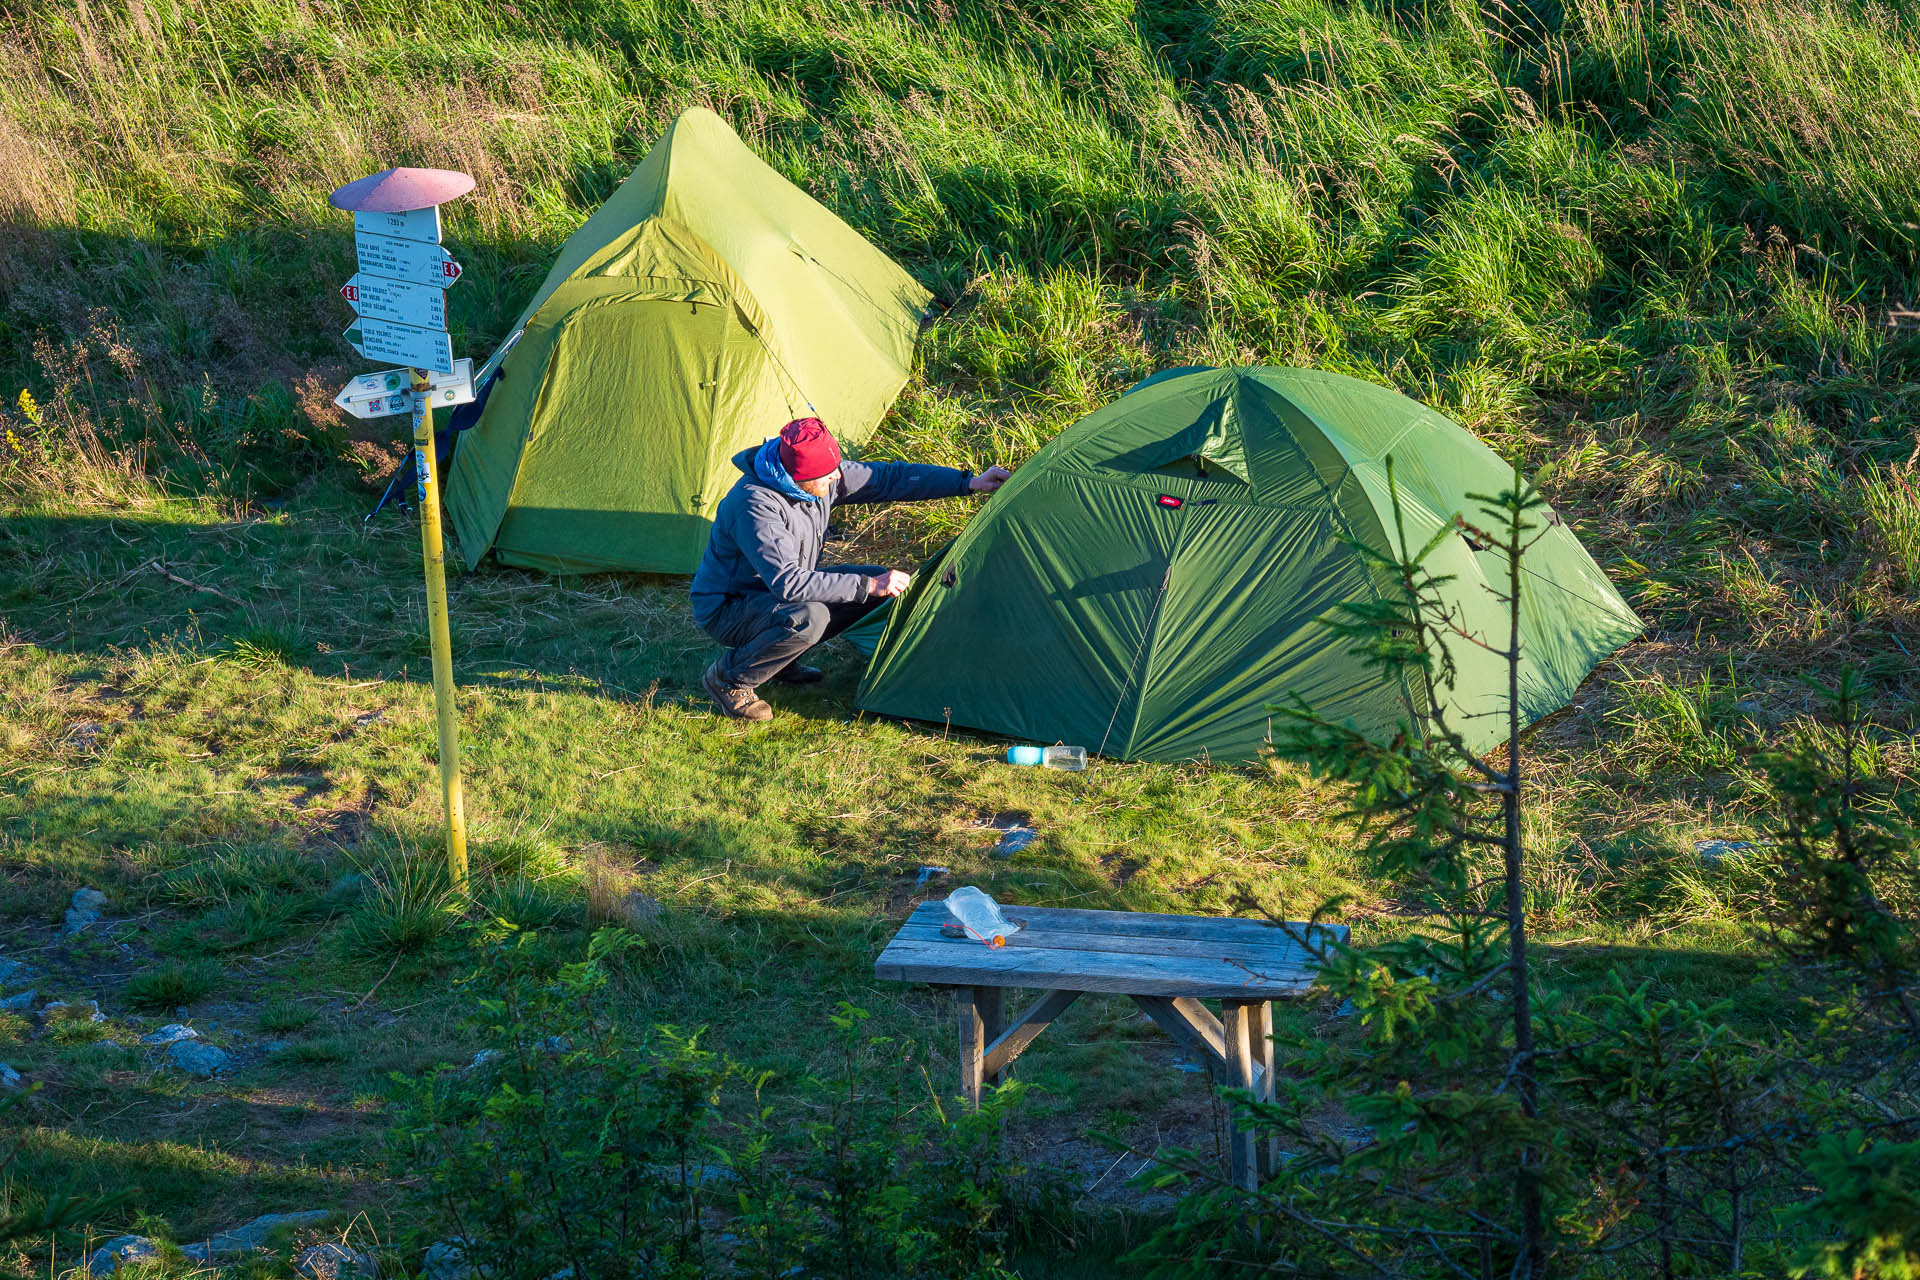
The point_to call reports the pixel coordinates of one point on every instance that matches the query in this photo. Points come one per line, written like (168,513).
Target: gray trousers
(763,635)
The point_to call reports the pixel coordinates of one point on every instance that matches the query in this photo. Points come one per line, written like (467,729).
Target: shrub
(582,1142)
(407,909)
(173,985)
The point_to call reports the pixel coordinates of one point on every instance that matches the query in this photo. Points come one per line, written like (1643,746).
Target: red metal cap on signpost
(401,190)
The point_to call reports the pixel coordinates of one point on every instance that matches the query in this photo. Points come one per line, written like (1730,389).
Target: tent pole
(433,550)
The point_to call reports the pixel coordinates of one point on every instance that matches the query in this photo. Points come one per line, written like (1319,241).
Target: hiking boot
(794,673)
(737,704)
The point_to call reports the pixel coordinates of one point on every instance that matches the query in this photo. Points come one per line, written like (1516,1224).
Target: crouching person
(760,589)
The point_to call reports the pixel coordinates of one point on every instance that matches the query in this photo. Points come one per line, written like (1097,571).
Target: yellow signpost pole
(399,304)
(433,548)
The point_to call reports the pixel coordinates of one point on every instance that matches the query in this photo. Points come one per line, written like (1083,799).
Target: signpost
(381,395)
(412,260)
(378,298)
(429,349)
(396,225)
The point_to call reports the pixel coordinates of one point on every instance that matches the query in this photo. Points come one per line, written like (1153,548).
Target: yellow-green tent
(705,304)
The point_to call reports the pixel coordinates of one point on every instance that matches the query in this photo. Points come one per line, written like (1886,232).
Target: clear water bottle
(1071,759)
(979,915)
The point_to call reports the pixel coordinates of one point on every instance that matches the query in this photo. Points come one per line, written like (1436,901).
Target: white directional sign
(397,300)
(414,224)
(412,260)
(402,343)
(380,395)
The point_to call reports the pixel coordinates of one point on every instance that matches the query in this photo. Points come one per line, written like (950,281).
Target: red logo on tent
(1167,500)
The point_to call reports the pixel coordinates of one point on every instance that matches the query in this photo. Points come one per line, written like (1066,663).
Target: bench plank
(1276,950)
(1137,924)
(961,962)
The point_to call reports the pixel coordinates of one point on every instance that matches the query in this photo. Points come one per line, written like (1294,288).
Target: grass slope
(1666,248)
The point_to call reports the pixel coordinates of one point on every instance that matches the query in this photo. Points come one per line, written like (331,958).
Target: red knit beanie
(808,450)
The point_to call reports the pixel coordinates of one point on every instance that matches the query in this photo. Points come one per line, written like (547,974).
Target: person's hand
(890,583)
(990,479)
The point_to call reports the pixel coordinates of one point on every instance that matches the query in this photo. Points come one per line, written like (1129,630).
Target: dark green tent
(1156,577)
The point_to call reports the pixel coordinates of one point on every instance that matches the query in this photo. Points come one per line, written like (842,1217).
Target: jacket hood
(762,463)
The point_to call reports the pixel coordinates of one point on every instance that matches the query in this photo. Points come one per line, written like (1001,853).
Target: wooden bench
(1167,964)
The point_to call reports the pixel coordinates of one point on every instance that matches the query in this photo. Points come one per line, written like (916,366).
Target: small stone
(182,1013)
(930,872)
(639,908)
(17,1003)
(121,1250)
(555,1044)
(88,1010)
(14,971)
(446,1260)
(9,1078)
(252,1235)
(348,888)
(1016,839)
(172,1033)
(198,1058)
(334,1262)
(87,733)
(89,900)
(271,1047)
(483,1057)
(1716,851)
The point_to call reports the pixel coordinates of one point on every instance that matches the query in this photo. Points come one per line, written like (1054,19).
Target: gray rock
(18,1003)
(639,908)
(14,971)
(86,909)
(348,888)
(120,1251)
(90,1009)
(929,872)
(9,1078)
(1016,839)
(555,1044)
(483,1057)
(198,1058)
(86,733)
(1716,851)
(253,1235)
(446,1260)
(172,1033)
(335,1262)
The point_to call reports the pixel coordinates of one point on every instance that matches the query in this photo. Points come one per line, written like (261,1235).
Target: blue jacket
(767,531)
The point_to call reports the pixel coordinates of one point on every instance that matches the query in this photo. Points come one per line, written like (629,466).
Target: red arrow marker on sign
(350,291)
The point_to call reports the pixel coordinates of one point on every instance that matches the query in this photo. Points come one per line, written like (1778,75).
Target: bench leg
(1262,1038)
(1236,1020)
(992,1004)
(982,1015)
(973,1044)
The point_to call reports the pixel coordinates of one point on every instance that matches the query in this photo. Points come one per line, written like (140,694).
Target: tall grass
(1624,236)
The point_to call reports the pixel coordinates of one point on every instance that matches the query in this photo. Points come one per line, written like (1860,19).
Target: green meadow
(1666,251)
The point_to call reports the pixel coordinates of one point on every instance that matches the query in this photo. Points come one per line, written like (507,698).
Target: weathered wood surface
(1236,1021)
(973,1045)
(1127,952)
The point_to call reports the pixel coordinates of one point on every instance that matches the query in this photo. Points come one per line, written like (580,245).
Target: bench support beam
(1001,1053)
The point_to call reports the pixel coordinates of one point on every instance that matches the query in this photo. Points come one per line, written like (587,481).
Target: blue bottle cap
(1026,755)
